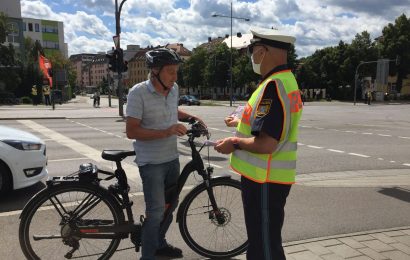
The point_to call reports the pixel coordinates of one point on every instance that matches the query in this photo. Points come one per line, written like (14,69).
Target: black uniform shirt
(270,115)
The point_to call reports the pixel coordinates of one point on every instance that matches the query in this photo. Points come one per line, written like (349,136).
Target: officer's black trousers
(264,215)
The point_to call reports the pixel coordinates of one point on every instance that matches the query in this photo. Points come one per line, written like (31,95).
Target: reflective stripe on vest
(280,166)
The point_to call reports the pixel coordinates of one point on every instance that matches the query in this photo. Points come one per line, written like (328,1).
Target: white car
(23,159)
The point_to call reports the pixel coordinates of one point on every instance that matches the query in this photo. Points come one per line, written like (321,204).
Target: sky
(90,24)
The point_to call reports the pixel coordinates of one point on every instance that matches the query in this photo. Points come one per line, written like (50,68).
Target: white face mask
(257,67)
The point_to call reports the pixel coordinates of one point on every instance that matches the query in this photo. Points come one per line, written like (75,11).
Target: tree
(396,41)
(3,27)
(193,69)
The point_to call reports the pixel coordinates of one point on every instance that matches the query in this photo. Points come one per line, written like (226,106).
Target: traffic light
(125,66)
(116,61)
(112,60)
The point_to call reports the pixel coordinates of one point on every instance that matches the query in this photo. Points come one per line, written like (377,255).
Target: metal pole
(230,67)
(117,32)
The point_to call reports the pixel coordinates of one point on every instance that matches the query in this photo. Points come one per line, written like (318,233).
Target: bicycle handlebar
(197,129)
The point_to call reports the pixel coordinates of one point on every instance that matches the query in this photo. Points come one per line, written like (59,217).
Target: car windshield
(191,97)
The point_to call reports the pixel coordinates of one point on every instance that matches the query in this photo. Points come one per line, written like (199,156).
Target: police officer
(263,150)
(46,93)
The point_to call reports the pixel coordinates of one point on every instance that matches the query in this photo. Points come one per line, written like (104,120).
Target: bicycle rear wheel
(46,225)
(200,227)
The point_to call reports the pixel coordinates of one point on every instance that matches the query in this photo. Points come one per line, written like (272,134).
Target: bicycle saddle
(116,155)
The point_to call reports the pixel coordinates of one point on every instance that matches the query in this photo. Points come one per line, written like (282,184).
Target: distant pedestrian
(368,97)
(302,95)
(97,98)
(34,94)
(46,93)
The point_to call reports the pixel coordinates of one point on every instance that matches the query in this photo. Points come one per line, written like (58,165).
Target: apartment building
(79,62)
(49,33)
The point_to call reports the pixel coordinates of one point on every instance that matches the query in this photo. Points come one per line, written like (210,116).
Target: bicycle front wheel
(213,234)
(47,226)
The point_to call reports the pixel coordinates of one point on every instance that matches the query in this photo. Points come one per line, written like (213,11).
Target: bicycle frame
(120,192)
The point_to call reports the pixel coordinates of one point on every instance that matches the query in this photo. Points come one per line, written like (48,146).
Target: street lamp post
(230,62)
(117,33)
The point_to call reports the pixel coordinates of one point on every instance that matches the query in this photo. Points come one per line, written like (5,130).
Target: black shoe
(169,251)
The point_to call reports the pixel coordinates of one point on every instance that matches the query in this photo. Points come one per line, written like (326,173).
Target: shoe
(169,251)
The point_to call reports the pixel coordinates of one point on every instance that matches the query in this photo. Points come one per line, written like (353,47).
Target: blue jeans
(156,178)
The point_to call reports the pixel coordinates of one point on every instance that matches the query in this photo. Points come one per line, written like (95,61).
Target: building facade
(79,62)
(49,33)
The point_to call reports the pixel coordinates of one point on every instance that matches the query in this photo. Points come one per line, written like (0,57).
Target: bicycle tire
(200,229)
(42,218)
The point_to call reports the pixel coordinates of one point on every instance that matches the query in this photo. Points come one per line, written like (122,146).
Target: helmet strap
(159,79)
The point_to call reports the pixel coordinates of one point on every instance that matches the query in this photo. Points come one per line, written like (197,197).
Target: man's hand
(177,129)
(231,121)
(225,146)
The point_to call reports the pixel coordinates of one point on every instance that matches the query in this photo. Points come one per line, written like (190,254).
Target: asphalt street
(353,166)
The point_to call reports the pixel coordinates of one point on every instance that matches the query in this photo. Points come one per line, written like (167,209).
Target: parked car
(189,100)
(23,159)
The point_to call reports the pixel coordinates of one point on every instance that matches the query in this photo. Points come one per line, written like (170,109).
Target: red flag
(45,66)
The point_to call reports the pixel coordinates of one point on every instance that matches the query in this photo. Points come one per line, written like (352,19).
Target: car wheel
(189,103)
(5,179)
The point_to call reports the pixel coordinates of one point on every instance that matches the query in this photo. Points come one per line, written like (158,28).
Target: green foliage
(26,100)
(3,27)
(396,42)
(333,68)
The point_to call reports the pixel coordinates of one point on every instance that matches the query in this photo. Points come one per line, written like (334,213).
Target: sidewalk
(389,244)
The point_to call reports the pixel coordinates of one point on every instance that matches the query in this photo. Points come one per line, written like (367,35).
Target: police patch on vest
(264,107)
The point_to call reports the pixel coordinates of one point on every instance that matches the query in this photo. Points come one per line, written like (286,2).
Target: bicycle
(89,219)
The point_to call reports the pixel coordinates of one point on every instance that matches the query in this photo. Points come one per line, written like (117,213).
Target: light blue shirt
(156,112)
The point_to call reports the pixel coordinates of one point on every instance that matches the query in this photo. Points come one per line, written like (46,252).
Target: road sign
(116,39)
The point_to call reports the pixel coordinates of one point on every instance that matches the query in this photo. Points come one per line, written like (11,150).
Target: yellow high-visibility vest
(280,166)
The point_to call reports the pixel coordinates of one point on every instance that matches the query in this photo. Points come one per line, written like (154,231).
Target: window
(13,36)
(24,27)
(37,27)
(30,27)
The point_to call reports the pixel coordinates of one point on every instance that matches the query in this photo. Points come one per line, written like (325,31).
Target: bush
(7,98)
(26,100)
(405,97)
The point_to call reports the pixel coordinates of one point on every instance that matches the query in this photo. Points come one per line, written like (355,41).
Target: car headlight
(23,145)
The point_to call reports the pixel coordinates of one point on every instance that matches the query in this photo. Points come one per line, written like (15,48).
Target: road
(353,166)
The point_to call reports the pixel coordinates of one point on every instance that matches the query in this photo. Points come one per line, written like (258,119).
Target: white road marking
(367,133)
(336,151)
(349,131)
(315,147)
(392,161)
(83,149)
(222,130)
(406,164)
(380,159)
(384,135)
(300,144)
(68,159)
(404,137)
(360,155)
(216,166)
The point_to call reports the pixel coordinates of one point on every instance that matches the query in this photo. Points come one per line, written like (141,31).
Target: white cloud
(315,23)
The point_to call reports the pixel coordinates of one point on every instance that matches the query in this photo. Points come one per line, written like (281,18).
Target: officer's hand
(224,146)
(231,121)
(177,129)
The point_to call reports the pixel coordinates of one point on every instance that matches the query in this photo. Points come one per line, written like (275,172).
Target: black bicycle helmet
(161,57)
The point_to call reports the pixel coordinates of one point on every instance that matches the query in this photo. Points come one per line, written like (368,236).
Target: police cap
(272,37)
